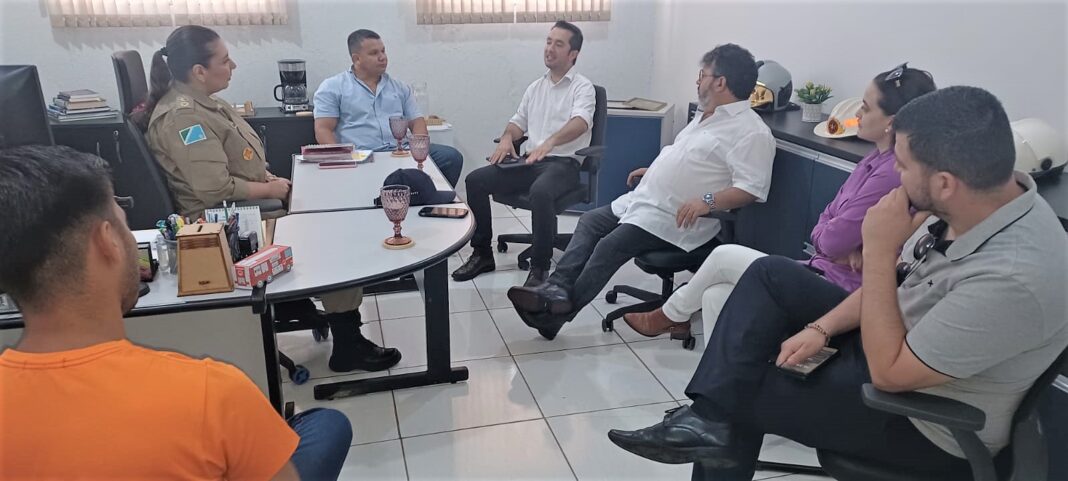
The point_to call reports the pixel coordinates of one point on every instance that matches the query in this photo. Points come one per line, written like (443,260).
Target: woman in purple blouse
(836,237)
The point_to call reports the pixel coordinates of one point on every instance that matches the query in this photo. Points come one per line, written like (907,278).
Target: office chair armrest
(591,151)
(265,205)
(947,412)
(515,143)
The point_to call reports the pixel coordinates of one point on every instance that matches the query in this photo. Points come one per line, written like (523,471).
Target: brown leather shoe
(655,323)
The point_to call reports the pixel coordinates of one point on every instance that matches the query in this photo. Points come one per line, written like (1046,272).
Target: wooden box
(204,262)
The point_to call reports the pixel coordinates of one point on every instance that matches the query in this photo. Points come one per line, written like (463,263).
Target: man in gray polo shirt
(975,308)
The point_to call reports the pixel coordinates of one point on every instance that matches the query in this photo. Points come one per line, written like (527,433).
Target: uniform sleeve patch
(193,134)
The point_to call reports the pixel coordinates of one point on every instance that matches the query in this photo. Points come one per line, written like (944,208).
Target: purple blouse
(837,234)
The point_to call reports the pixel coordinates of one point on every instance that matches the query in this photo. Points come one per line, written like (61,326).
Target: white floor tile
(499,210)
(493,287)
(473,336)
(315,356)
(631,275)
(374,462)
(494,394)
(523,450)
(372,416)
(672,365)
(590,379)
(400,304)
(565,223)
(464,297)
(584,440)
(583,331)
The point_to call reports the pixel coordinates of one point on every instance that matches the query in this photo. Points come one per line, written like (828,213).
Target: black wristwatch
(710,199)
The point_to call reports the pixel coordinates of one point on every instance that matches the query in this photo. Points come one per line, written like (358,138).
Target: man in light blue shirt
(354,106)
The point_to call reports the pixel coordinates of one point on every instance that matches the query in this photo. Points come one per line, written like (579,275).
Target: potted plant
(812,97)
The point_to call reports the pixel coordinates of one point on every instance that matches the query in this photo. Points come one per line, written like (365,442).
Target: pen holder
(172,256)
(204,262)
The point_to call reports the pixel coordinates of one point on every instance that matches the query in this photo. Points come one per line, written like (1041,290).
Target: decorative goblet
(420,145)
(399,126)
(395,201)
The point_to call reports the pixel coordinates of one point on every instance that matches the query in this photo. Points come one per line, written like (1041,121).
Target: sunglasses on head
(896,74)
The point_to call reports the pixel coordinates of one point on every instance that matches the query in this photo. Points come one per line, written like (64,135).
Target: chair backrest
(139,175)
(591,164)
(130,75)
(1030,401)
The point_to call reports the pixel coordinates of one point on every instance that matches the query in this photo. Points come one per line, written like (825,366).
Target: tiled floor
(532,409)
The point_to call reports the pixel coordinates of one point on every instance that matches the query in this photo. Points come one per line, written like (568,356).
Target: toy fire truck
(263,266)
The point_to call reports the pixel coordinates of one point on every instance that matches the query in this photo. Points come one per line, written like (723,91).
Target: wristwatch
(710,199)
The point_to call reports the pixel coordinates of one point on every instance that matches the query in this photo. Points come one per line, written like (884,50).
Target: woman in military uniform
(211,155)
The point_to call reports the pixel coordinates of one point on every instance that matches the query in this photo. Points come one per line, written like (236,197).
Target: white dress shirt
(546,107)
(731,148)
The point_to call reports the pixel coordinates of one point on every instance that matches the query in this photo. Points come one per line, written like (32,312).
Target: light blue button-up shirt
(363,115)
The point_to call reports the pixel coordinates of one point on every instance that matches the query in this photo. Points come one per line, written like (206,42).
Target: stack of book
(80,105)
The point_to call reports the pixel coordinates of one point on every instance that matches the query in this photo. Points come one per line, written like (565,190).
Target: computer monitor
(22,105)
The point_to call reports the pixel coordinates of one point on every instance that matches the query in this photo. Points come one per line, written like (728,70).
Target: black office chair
(130,75)
(665,264)
(1026,458)
(139,175)
(582,193)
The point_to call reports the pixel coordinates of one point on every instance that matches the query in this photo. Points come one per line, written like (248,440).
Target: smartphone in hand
(808,366)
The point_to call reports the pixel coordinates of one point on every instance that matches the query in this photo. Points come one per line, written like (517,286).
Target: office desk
(343,249)
(226,326)
(325,190)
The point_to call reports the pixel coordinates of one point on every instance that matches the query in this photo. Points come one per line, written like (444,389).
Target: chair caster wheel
(689,343)
(502,247)
(321,334)
(607,325)
(524,265)
(300,375)
(611,297)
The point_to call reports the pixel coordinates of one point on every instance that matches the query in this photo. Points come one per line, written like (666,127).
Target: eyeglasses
(701,75)
(896,73)
(921,249)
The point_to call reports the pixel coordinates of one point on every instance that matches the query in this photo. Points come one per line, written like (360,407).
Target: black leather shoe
(479,262)
(536,277)
(544,298)
(683,437)
(363,355)
(548,325)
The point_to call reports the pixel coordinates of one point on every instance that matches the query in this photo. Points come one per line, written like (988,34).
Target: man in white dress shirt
(556,115)
(722,160)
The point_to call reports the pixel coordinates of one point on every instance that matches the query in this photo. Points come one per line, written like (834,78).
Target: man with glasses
(720,161)
(977,310)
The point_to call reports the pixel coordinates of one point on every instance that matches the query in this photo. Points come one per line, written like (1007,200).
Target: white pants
(711,285)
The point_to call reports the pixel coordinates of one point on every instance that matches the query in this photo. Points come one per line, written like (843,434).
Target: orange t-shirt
(116,411)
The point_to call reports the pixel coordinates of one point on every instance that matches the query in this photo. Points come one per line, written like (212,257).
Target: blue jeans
(325,436)
(449,161)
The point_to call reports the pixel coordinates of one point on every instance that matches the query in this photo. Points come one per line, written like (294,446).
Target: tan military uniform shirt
(208,151)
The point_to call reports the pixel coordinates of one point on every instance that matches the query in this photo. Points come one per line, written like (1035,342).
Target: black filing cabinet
(283,135)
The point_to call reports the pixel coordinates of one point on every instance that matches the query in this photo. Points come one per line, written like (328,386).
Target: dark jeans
(599,247)
(449,161)
(736,381)
(546,181)
(325,436)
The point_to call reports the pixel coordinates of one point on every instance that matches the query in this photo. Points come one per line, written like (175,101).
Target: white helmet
(1039,150)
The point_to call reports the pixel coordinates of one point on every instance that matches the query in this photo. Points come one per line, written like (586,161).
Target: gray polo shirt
(990,312)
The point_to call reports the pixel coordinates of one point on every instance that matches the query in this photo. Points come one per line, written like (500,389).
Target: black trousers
(545,180)
(737,382)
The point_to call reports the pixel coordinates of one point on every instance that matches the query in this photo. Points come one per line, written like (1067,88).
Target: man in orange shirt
(78,400)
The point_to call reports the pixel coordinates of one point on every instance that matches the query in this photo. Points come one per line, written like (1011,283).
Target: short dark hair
(737,65)
(963,131)
(898,92)
(48,196)
(576,34)
(356,39)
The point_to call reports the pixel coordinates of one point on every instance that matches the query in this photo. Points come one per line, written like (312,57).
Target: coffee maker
(294,86)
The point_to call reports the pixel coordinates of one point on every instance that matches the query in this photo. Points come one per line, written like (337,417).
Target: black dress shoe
(536,277)
(363,355)
(547,324)
(544,298)
(479,262)
(683,437)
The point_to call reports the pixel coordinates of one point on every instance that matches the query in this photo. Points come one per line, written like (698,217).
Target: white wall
(1015,49)
(475,73)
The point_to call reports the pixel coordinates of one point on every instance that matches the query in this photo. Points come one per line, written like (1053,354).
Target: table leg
(436,300)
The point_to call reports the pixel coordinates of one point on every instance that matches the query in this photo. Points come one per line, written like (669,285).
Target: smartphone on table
(445,212)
